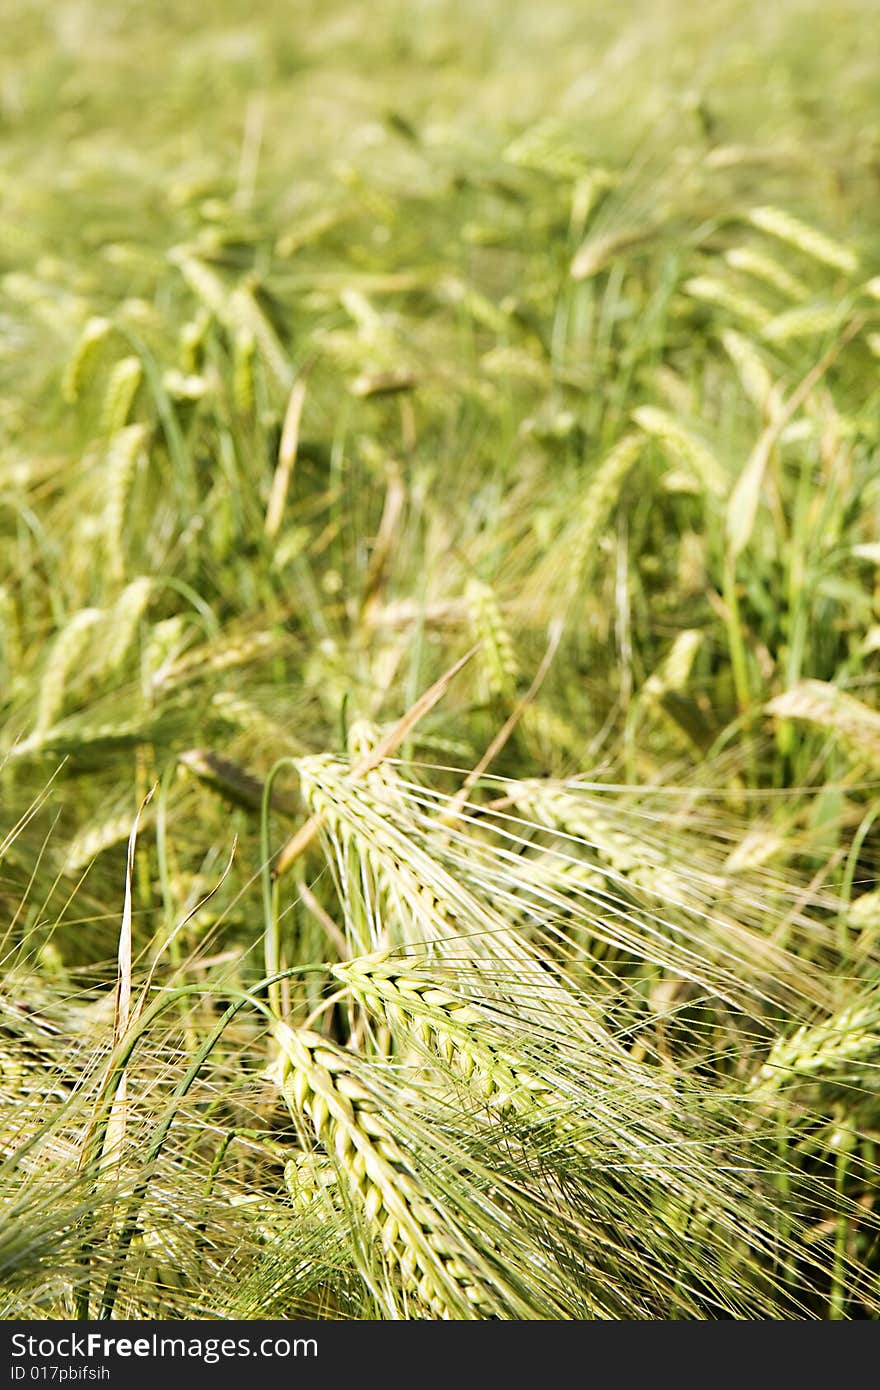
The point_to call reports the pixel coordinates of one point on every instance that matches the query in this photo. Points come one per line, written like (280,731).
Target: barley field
(439,660)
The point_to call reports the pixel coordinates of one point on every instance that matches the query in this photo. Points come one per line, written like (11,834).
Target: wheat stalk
(162,645)
(764,268)
(421,900)
(600,496)
(79,731)
(381,778)
(710,290)
(324,1092)
(204,283)
(802,237)
(601,248)
(823,703)
(496,656)
(682,919)
(312,1180)
(838,1048)
(247,317)
(66,651)
(192,340)
(236,310)
(121,623)
(674,671)
(119,394)
(124,451)
(753,373)
(453,1027)
(248,716)
(545,146)
(806,321)
(684,447)
(581,533)
(221,654)
(94,839)
(80,369)
(626,1116)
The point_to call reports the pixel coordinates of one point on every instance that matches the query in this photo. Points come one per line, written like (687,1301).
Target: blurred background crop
(336,340)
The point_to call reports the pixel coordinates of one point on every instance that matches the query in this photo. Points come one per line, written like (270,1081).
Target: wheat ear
(324,1093)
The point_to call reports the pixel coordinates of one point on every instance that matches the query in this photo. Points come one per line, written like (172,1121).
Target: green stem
(119,1060)
(837,1300)
(271,929)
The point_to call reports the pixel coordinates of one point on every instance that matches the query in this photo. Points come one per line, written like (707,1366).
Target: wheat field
(439,642)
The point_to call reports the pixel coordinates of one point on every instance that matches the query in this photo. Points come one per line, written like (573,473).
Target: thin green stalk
(736,642)
(94,1139)
(271,928)
(842,1141)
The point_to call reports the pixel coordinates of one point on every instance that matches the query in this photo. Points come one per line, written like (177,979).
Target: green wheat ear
(122,387)
(813,243)
(80,370)
(326,1096)
(66,651)
(496,656)
(684,447)
(126,449)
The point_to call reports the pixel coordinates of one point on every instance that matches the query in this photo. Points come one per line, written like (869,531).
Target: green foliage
(360,345)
